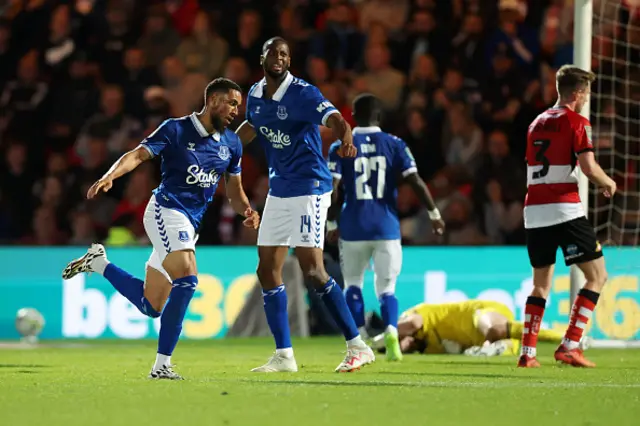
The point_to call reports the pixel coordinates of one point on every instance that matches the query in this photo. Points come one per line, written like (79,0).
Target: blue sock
(336,304)
(356,304)
(275,307)
(174,312)
(130,287)
(389,309)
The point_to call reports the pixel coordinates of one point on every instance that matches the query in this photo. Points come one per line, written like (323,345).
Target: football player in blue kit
(283,114)
(196,151)
(369,226)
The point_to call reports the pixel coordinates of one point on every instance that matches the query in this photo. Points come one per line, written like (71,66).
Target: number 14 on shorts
(305,224)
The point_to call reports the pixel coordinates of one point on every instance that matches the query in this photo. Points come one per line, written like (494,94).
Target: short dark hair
(570,78)
(367,109)
(220,85)
(266,44)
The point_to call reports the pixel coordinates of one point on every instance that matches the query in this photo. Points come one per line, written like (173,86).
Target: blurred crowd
(83,81)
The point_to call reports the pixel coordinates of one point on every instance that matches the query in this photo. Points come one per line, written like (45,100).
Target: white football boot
(83,264)
(357,357)
(165,372)
(278,363)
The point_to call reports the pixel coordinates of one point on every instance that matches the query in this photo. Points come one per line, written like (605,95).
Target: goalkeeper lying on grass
(474,327)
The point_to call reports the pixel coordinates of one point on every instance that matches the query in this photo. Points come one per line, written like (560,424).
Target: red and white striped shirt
(554,140)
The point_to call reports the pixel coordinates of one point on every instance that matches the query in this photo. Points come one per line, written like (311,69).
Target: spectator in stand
(22,101)
(159,39)
(111,123)
(183,89)
(381,80)
(204,51)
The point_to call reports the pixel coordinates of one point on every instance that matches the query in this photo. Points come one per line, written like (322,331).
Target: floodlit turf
(104,383)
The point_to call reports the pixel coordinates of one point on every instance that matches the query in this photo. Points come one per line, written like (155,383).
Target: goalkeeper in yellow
(473,327)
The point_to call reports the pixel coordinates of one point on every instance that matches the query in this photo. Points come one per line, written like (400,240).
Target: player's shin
(580,315)
(516,331)
(172,317)
(130,287)
(533,313)
(336,303)
(389,312)
(355,302)
(275,308)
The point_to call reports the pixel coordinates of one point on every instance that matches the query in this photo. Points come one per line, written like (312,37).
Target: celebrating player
(284,112)
(196,151)
(554,216)
(369,225)
(475,327)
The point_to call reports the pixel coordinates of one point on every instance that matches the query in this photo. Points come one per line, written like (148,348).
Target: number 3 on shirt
(365,166)
(542,146)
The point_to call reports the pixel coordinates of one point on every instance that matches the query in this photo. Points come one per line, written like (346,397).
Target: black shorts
(576,238)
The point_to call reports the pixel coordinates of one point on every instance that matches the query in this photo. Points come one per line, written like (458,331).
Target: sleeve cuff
(234,174)
(582,151)
(336,175)
(409,171)
(148,149)
(328,114)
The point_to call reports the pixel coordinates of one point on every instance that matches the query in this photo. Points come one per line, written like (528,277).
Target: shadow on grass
(23,366)
(471,375)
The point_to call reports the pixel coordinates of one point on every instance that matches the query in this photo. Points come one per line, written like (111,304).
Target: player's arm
(235,191)
(342,132)
(594,172)
(407,165)
(425,198)
(239,200)
(246,132)
(335,167)
(583,147)
(409,325)
(122,166)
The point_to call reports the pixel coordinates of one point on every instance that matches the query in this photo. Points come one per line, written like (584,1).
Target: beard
(217,122)
(273,74)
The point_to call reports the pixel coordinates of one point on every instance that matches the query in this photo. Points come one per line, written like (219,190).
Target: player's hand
(438,226)
(104,184)
(252,218)
(332,236)
(347,148)
(610,188)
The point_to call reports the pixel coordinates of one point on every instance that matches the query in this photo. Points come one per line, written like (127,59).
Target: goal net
(615,118)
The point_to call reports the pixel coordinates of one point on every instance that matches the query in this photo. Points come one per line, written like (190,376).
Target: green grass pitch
(104,383)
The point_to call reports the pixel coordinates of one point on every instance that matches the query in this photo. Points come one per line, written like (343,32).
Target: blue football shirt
(287,128)
(192,163)
(370,183)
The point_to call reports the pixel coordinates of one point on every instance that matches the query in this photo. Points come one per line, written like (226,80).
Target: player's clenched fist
(610,188)
(347,148)
(104,185)
(252,218)
(347,151)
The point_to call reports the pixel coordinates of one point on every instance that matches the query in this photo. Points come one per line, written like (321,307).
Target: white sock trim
(285,352)
(355,342)
(161,361)
(99,264)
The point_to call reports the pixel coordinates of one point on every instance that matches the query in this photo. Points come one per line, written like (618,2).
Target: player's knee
(267,275)
(496,332)
(385,286)
(316,274)
(180,264)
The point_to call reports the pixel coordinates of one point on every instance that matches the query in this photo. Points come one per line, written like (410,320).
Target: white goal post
(617,222)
